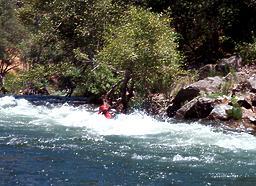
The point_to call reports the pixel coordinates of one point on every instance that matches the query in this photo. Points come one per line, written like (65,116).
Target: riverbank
(227,96)
(224,95)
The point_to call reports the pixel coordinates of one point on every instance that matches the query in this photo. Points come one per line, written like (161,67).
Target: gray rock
(207,85)
(244,101)
(184,95)
(219,112)
(197,108)
(252,83)
(248,114)
(228,64)
(222,68)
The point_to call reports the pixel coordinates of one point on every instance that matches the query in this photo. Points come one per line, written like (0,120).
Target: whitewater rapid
(166,134)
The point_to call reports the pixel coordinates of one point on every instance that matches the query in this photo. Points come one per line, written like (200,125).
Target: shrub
(236,111)
(143,50)
(248,52)
(13,83)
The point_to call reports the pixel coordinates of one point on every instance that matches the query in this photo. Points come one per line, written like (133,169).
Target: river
(65,145)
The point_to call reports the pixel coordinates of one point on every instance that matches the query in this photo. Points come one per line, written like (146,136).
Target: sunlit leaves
(11,31)
(146,45)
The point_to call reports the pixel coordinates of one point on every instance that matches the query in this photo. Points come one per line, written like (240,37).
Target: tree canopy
(12,34)
(123,48)
(143,52)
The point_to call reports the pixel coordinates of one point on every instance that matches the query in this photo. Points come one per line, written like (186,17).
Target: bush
(248,52)
(236,111)
(143,51)
(13,83)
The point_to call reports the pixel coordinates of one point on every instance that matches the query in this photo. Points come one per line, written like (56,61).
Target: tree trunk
(124,91)
(1,80)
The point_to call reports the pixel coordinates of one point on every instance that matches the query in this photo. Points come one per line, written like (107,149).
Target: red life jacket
(104,109)
(108,115)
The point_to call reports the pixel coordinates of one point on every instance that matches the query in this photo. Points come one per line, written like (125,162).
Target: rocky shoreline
(228,98)
(225,94)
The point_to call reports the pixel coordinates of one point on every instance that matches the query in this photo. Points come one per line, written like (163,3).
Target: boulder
(245,80)
(197,108)
(207,85)
(241,88)
(244,101)
(236,111)
(222,68)
(156,104)
(228,64)
(249,115)
(219,112)
(253,99)
(184,95)
(252,83)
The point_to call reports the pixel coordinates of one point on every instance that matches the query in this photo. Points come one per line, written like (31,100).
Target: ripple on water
(87,146)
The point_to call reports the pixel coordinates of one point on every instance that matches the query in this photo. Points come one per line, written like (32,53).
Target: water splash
(136,125)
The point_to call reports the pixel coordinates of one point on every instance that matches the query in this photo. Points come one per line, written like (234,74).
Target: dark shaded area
(209,29)
(184,95)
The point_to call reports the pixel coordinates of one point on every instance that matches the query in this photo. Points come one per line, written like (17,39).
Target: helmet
(103,108)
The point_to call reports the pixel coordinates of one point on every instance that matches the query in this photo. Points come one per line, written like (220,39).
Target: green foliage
(13,83)
(11,35)
(36,76)
(215,95)
(100,43)
(67,33)
(61,28)
(99,80)
(204,23)
(11,31)
(39,76)
(248,51)
(144,45)
(236,111)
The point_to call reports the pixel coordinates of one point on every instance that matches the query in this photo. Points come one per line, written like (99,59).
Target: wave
(165,134)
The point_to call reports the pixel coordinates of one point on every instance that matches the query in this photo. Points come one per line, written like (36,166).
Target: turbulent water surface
(65,145)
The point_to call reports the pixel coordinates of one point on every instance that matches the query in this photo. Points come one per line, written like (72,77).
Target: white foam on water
(137,125)
(141,157)
(188,158)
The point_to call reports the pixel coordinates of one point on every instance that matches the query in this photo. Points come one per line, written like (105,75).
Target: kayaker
(104,109)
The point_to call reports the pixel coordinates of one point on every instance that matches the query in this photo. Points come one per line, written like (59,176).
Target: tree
(76,26)
(12,33)
(209,29)
(68,32)
(142,51)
